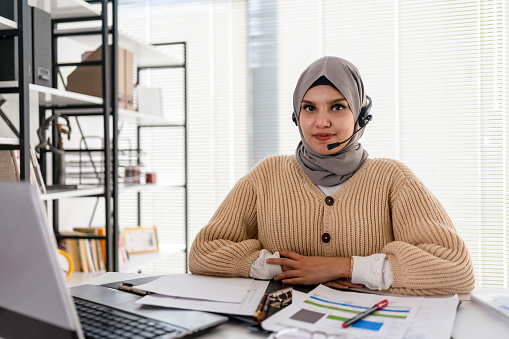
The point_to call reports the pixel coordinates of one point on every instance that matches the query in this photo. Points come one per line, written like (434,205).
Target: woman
(330,214)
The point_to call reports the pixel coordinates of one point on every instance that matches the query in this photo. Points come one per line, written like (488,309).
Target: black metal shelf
(59,101)
(20,29)
(183,66)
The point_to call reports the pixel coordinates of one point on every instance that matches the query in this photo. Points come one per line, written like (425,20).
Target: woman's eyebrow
(330,102)
(336,100)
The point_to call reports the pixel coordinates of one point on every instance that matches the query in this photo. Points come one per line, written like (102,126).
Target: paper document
(247,306)
(200,287)
(493,299)
(435,318)
(326,309)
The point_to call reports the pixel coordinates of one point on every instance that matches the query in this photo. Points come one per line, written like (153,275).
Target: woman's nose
(322,119)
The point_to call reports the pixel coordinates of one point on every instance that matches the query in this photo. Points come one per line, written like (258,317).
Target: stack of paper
(204,293)
(325,310)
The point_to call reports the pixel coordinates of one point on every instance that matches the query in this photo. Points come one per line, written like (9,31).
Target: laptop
(34,299)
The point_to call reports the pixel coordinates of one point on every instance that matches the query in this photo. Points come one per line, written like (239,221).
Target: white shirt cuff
(374,271)
(261,270)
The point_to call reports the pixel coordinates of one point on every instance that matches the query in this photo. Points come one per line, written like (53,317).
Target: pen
(367,312)
(260,306)
(127,287)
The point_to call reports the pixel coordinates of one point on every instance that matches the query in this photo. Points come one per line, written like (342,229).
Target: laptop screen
(34,301)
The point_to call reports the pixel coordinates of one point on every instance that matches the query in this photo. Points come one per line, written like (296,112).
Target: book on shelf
(10,168)
(97,248)
(122,251)
(72,247)
(84,263)
(87,254)
(35,171)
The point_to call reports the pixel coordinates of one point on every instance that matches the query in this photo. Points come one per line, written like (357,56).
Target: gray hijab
(337,168)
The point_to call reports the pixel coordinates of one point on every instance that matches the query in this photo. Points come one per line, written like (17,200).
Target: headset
(364,117)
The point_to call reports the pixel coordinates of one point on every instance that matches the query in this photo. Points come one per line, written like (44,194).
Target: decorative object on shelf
(141,239)
(58,151)
(66,263)
(131,163)
(150,178)
(132,175)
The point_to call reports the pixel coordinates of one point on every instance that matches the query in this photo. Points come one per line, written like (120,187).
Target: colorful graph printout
(325,309)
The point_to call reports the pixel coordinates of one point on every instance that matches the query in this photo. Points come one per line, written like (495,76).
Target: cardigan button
(326,238)
(329,201)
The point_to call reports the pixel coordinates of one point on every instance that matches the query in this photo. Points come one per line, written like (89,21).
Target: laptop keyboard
(99,321)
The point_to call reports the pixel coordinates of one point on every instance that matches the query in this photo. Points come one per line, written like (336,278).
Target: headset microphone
(364,119)
(337,144)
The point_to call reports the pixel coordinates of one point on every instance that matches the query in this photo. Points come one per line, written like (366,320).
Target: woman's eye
(338,107)
(308,108)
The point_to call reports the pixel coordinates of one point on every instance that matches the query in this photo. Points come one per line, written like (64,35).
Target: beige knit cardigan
(382,208)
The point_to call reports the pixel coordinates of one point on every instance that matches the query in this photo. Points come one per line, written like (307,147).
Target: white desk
(472,321)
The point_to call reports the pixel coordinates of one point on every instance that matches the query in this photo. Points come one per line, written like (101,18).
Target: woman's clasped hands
(300,269)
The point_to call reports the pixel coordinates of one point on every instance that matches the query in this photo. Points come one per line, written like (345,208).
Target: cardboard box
(88,79)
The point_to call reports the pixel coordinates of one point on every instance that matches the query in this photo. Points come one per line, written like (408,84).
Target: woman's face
(325,118)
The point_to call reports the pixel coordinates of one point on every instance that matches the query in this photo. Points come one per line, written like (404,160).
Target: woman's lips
(323,137)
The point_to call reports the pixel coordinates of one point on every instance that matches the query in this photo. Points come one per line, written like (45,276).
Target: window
(436,70)
(437,73)
(217,112)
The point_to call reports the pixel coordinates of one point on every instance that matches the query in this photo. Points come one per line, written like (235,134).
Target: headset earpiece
(294,119)
(364,116)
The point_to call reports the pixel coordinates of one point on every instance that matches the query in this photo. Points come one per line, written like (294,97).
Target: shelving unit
(6,24)
(65,9)
(83,192)
(147,56)
(9,141)
(55,100)
(99,190)
(18,30)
